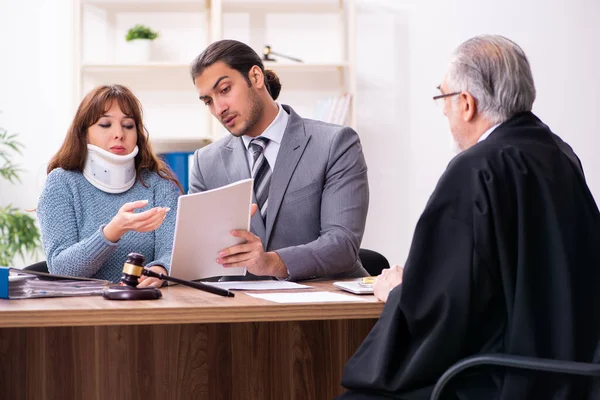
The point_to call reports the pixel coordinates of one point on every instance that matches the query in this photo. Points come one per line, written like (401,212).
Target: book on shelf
(20,284)
(334,110)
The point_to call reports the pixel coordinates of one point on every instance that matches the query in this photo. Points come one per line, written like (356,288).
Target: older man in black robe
(504,259)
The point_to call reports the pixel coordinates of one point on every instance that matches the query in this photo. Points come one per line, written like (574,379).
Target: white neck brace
(110,172)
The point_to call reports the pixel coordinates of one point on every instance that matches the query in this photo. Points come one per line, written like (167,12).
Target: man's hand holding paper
(252,255)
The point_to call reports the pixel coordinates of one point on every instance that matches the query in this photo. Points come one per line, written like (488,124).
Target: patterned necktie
(261,172)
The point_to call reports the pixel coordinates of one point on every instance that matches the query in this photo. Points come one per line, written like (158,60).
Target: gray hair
(496,72)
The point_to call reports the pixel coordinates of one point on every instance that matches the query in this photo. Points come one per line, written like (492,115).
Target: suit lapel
(236,166)
(234,159)
(292,147)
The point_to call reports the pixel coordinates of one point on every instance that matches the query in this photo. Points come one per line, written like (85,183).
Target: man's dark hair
(238,56)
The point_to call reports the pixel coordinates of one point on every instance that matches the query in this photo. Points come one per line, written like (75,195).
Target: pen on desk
(196,285)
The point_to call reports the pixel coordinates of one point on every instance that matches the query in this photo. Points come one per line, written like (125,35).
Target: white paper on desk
(203,228)
(258,285)
(307,297)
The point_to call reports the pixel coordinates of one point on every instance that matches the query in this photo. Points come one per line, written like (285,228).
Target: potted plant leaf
(19,235)
(139,39)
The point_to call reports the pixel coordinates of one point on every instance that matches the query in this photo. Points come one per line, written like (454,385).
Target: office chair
(37,267)
(518,362)
(373,261)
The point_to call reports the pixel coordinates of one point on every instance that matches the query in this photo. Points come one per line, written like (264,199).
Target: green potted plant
(19,235)
(139,39)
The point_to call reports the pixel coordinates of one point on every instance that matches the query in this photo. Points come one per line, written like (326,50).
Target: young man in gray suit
(310,177)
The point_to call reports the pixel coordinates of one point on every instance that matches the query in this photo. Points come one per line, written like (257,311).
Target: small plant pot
(138,51)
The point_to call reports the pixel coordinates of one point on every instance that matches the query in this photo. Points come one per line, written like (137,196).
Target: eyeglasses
(442,96)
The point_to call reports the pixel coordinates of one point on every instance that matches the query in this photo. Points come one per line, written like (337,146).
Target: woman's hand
(146,281)
(127,220)
(389,279)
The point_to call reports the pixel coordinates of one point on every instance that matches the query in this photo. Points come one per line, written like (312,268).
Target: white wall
(559,36)
(402,50)
(36,88)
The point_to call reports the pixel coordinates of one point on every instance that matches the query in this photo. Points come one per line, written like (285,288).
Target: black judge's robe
(505,258)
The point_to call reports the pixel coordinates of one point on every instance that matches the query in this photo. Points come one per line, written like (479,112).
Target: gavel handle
(195,285)
(288,57)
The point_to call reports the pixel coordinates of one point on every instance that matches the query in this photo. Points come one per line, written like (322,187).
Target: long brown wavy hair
(71,155)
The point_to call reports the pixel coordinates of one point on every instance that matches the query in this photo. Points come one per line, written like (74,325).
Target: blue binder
(66,285)
(4,282)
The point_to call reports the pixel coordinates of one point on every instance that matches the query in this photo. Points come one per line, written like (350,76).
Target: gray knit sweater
(72,213)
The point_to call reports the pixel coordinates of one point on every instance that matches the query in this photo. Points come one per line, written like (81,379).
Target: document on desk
(203,228)
(258,285)
(17,284)
(308,297)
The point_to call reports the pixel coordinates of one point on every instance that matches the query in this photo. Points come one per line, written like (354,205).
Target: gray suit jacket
(318,198)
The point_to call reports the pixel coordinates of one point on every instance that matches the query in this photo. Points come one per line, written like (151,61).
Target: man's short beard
(455,146)
(254,115)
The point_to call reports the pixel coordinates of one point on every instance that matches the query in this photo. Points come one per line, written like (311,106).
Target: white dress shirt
(274,133)
(487,133)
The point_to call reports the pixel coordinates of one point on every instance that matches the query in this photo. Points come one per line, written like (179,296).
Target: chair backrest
(41,266)
(373,261)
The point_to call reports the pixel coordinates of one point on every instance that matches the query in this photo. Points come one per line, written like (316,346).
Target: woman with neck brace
(107,194)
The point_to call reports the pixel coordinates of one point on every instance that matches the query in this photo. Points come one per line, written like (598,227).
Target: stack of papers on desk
(307,297)
(258,285)
(22,287)
(17,284)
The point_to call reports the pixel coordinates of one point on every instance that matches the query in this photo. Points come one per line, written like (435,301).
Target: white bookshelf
(112,67)
(173,113)
(148,5)
(286,6)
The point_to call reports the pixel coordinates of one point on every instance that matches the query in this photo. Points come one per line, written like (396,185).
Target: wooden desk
(188,345)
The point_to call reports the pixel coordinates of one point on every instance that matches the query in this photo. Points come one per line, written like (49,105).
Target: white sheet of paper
(307,297)
(258,285)
(203,228)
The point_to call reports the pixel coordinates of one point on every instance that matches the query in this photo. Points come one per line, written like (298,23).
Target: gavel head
(267,54)
(133,269)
